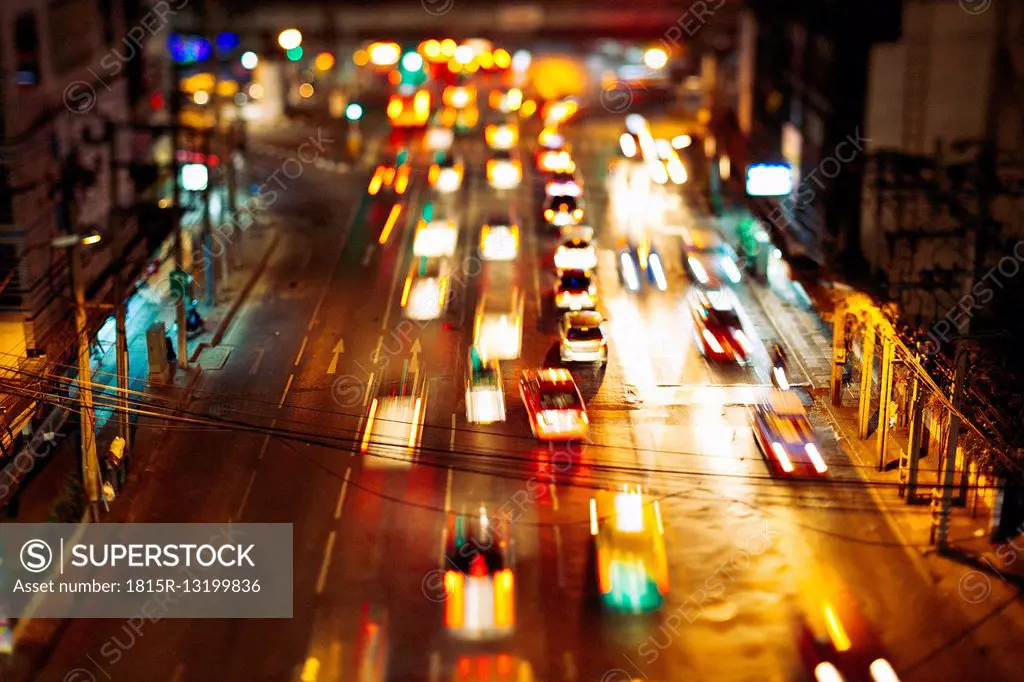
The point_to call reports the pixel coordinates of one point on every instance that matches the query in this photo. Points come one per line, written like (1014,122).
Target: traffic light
(410,68)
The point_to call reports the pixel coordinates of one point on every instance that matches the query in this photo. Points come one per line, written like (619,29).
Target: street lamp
(289,39)
(90,464)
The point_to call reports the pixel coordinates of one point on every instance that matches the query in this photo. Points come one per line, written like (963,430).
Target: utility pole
(209,273)
(179,242)
(87,414)
(940,522)
(116,222)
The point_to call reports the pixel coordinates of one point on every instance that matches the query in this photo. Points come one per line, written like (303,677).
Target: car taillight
(549,214)
(454,606)
(577,214)
(712,341)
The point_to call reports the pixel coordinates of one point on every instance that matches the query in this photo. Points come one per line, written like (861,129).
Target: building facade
(942,193)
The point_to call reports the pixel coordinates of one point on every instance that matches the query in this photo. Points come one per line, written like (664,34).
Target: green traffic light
(294,54)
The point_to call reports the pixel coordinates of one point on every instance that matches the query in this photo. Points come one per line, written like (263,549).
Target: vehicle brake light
(578,214)
(504,598)
(394,108)
(548,214)
(435,171)
(780,454)
(454,604)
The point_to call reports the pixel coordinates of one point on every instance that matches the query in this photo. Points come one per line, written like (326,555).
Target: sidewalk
(800,327)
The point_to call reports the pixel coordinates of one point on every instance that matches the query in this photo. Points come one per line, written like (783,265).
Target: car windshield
(559,399)
(793,430)
(502,155)
(570,203)
(584,334)
(575,282)
(447,161)
(499,220)
(723,318)
(576,244)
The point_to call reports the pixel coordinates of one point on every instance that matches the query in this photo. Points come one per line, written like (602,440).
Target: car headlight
(815,457)
(712,342)
(698,270)
(731,271)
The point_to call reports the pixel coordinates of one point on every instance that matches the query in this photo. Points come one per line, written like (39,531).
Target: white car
(499,239)
(581,337)
(425,295)
(504,170)
(394,425)
(498,325)
(575,254)
(485,394)
(436,238)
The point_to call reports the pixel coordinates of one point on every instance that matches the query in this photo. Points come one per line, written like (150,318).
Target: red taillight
(454,607)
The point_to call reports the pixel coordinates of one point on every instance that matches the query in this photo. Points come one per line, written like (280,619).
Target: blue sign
(188,49)
(228,41)
(769,180)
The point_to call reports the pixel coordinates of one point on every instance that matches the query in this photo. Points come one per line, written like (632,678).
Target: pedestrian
(172,359)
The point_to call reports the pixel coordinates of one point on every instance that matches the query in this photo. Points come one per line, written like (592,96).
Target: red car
(718,329)
(554,405)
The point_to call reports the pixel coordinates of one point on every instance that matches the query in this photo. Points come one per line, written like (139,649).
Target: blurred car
(409,111)
(435,239)
(709,261)
(575,290)
(504,170)
(786,437)
(581,337)
(639,264)
(631,562)
(717,327)
(439,137)
(393,175)
(674,170)
(560,211)
(501,135)
(485,394)
(446,175)
(837,644)
(555,161)
(498,324)
(499,237)
(576,253)
(394,425)
(563,185)
(459,97)
(554,405)
(479,579)
(425,295)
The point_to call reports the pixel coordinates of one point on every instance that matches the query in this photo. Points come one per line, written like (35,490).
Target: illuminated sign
(769,180)
(194,177)
(188,49)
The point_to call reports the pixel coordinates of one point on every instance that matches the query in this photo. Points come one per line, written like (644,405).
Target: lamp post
(87,415)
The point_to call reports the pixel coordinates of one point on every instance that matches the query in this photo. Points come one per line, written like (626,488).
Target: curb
(222,327)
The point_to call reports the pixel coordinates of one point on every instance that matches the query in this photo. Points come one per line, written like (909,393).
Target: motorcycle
(779,379)
(193,320)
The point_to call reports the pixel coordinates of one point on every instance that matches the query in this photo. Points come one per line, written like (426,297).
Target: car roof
(576,243)
(701,238)
(584,318)
(551,376)
(786,403)
(720,300)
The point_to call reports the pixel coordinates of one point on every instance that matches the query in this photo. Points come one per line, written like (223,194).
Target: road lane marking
(341,496)
(558,557)
(435,666)
(356,205)
(554,496)
(359,433)
(451,440)
(266,440)
(448,492)
(256,365)
(368,255)
(302,349)
(389,224)
(376,350)
(284,394)
(245,495)
(325,564)
(398,269)
(338,349)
